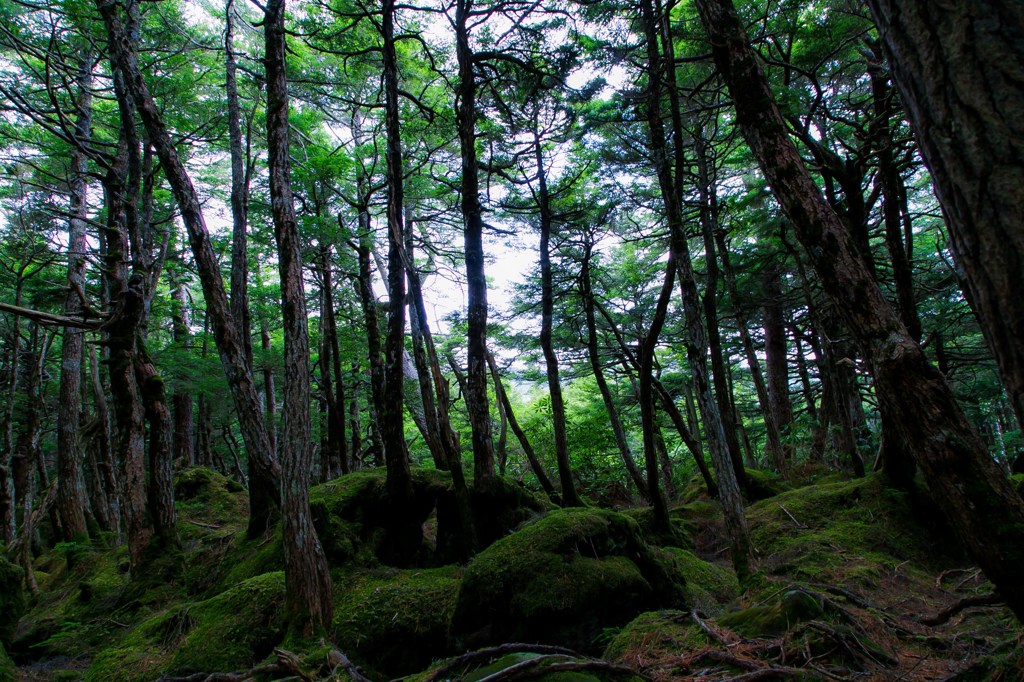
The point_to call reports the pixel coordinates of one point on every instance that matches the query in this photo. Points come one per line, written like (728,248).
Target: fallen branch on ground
(943,616)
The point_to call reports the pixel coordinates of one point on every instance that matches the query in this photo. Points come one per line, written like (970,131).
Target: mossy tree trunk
(985,512)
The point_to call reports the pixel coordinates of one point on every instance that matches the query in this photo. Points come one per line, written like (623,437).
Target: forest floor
(854,581)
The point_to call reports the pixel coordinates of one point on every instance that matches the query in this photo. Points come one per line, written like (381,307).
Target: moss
(708,586)
(764,484)
(210,498)
(1017,481)
(12,598)
(655,634)
(8,672)
(817,532)
(243,558)
(78,606)
(230,631)
(794,607)
(562,579)
(395,621)
(675,536)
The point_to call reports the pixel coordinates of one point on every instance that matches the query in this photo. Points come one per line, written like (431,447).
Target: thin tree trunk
(477,401)
(239,191)
(709,226)
(776,359)
(399,478)
(161,458)
(927,420)
(70,489)
(773,439)
(668,162)
(524,442)
(265,471)
(569,496)
(597,367)
(184,415)
(308,580)
(102,451)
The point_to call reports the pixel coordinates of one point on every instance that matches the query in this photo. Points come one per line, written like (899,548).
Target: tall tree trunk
(184,415)
(308,580)
(927,420)
(103,454)
(776,358)
(399,478)
(668,162)
(70,489)
(333,455)
(957,68)
(569,496)
(473,230)
(597,367)
(708,196)
(773,439)
(161,458)
(239,191)
(265,471)
(371,323)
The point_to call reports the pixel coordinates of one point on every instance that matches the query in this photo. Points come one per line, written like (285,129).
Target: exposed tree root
(944,616)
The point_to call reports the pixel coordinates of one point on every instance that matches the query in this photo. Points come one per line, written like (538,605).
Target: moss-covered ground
(846,572)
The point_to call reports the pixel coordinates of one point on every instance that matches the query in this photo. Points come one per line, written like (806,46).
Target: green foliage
(8,673)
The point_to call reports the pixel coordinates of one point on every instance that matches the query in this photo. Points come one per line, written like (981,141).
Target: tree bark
(473,228)
(399,478)
(927,420)
(957,68)
(308,580)
(265,471)
(569,496)
(70,489)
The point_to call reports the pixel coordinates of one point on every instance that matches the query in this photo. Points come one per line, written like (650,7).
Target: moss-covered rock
(708,586)
(230,631)
(395,621)
(795,606)
(764,484)
(1017,481)
(357,523)
(562,579)
(653,635)
(211,497)
(12,599)
(862,526)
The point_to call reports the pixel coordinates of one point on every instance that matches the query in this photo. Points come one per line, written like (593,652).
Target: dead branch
(710,631)
(340,660)
(50,318)
(943,616)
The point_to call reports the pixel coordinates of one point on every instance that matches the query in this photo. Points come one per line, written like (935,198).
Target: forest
(511,340)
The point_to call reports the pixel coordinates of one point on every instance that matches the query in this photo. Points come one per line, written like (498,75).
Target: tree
(306,575)
(916,398)
(957,71)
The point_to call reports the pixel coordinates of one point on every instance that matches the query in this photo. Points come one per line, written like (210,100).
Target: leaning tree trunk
(265,472)
(957,67)
(70,489)
(668,162)
(926,417)
(307,578)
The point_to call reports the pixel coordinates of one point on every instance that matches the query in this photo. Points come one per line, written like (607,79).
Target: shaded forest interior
(750,408)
